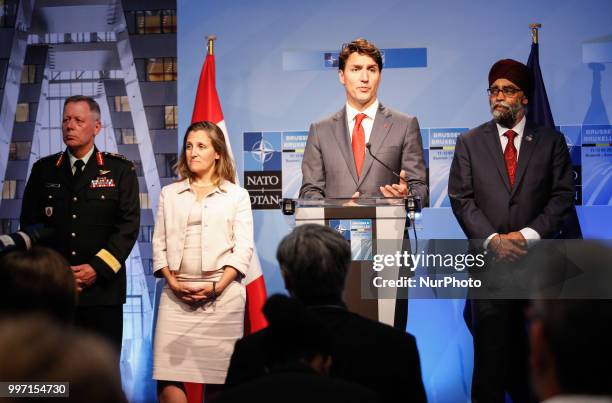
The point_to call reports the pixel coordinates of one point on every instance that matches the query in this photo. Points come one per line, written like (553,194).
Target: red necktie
(510,156)
(358,142)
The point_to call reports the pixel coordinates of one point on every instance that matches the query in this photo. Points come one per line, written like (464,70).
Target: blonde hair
(224,168)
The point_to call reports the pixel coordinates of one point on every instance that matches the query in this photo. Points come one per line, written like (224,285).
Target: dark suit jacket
(364,351)
(298,385)
(484,203)
(96,220)
(480,192)
(328,167)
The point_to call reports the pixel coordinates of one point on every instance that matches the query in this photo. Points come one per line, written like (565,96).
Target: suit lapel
(184,198)
(529,141)
(496,152)
(382,124)
(341,134)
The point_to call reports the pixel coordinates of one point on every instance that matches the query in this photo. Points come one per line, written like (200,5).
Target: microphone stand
(411,203)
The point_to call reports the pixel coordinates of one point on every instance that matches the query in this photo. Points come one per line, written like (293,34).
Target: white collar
(85,158)
(370,111)
(519,128)
(184,185)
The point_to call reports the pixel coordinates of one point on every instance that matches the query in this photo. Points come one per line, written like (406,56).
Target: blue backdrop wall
(271,77)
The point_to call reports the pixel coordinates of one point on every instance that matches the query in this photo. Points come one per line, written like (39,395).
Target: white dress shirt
(367,123)
(529,234)
(519,129)
(85,159)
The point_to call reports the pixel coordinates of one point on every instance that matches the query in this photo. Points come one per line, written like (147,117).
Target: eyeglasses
(508,91)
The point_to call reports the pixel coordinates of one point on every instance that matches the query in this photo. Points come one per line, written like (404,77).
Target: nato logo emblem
(262,156)
(343,227)
(331,60)
(262,151)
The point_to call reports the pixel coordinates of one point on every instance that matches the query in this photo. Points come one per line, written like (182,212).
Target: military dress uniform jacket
(96,220)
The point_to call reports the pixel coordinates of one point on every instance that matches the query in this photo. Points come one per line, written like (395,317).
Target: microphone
(396,174)
(412,205)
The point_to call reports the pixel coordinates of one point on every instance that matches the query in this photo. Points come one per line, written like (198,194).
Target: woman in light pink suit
(202,246)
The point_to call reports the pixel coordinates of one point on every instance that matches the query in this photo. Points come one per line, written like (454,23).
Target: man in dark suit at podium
(314,260)
(510,185)
(336,162)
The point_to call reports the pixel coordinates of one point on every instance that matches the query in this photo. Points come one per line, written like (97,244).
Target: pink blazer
(227,227)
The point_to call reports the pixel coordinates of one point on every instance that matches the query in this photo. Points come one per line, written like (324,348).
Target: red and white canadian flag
(207,107)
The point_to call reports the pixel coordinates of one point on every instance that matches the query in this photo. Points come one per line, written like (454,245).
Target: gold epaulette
(118,156)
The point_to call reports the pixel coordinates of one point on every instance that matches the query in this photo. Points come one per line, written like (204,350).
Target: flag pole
(540,114)
(534,32)
(195,391)
(210,39)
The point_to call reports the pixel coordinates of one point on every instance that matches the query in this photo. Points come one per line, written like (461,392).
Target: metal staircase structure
(83,47)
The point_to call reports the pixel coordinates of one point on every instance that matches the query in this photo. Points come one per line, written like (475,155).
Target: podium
(373,226)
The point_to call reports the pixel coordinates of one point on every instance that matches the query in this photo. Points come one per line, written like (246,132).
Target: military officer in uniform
(90,198)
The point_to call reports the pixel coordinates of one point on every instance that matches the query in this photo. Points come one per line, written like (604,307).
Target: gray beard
(506,118)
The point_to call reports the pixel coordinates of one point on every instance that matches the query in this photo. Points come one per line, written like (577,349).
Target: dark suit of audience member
(314,261)
(38,280)
(510,184)
(296,346)
(298,384)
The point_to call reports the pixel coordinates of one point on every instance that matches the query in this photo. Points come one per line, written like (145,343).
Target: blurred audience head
(295,335)
(571,347)
(38,280)
(36,349)
(314,261)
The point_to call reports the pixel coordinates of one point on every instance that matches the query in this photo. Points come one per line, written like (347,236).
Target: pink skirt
(195,345)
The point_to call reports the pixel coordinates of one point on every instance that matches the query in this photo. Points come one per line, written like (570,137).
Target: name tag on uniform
(102,182)
(53,185)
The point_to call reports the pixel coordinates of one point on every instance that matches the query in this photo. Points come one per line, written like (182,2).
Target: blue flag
(539,113)
(539,108)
